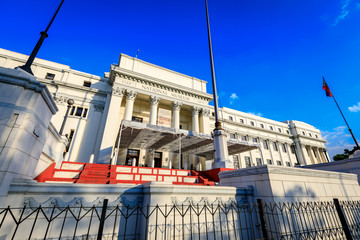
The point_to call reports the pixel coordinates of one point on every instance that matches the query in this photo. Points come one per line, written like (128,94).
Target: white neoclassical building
(144,115)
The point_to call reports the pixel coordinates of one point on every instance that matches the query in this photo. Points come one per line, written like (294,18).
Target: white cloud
(233,97)
(337,140)
(344,12)
(257,114)
(355,108)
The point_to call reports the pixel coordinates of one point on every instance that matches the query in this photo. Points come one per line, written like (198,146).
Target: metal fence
(306,220)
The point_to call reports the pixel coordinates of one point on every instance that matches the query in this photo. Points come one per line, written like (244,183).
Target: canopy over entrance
(159,138)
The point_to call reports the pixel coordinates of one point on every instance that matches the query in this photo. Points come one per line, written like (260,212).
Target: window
(244,138)
(271,128)
(258,161)
(255,140)
(275,146)
(266,145)
(303,133)
(269,161)
(230,118)
(278,163)
(287,131)
(137,119)
(247,162)
(50,76)
(252,123)
(279,129)
(232,136)
(87,84)
(292,149)
(310,135)
(71,136)
(79,111)
(288,164)
(316,136)
(284,148)
(213,114)
(236,161)
(241,120)
(261,125)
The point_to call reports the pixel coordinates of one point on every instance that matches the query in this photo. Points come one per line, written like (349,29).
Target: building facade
(141,114)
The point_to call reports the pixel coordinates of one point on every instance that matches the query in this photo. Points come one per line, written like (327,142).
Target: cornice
(151,81)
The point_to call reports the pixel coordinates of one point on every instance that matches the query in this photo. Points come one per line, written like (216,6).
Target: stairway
(90,173)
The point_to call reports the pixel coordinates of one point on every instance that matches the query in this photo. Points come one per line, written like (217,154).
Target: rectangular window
(279,129)
(137,119)
(50,76)
(232,136)
(287,131)
(275,146)
(288,164)
(261,125)
(252,123)
(70,138)
(72,110)
(79,111)
(279,163)
(316,136)
(303,133)
(292,149)
(258,161)
(271,128)
(87,84)
(255,140)
(241,120)
(310,135)
(230,118)
(247,162)
(266,145)
(244,138)
(284,148)
(236,161)
(269,161)
(85,112)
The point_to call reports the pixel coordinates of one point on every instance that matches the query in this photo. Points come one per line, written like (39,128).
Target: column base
(222,164)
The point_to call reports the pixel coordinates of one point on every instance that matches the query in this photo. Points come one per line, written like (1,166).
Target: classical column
(111,121)
(176,114)
(195,119)
(154,102)
(321,154)
(205,121)
(312,158)
(317,155)
(130,98)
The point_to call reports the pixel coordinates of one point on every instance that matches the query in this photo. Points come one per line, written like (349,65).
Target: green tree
(344,155)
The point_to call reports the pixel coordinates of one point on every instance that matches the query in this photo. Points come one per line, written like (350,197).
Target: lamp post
(70,102)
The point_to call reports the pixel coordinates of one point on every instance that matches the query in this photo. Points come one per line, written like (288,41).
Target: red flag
(327,89)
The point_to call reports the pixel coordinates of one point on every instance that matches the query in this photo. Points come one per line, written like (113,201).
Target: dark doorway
(132,155)
(157,159)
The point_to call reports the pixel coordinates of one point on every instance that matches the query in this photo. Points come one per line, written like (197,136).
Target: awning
(159,138)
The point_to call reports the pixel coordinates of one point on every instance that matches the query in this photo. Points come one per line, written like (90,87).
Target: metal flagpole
(27,66)
(357,145)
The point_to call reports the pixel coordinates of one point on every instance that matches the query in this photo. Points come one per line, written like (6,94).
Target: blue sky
(270,56)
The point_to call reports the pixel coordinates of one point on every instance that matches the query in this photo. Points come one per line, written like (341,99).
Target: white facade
(135,90)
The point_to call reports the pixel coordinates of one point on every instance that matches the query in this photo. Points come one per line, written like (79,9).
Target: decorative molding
(205,112)
(203,201)
(99,107)
(130,95)
(154,100)
(117,91)
(60,100)
(195,110)
(176,106)
(79,203)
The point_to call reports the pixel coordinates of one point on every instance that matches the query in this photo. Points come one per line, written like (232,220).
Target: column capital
(154,100)
(195,110)
(205,112)
(130,95)
(176,106)
(117,91)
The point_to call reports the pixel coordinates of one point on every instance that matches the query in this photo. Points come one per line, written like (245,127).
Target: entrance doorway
(132,155)
(157,159)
